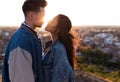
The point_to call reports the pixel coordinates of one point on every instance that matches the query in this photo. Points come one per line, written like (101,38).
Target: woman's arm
(61,71)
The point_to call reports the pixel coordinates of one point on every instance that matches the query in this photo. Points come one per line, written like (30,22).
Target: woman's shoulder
(58,45)
(59,50)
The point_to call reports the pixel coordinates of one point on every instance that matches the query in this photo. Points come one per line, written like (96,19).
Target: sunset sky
(81,12)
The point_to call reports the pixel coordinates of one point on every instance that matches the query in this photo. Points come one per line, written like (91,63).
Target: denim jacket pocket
(66,79)
(63,80)
(63,72)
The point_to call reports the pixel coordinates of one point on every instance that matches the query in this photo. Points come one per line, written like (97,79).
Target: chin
(39,26)
(47,29)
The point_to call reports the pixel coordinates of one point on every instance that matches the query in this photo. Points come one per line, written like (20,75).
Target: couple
(23,58)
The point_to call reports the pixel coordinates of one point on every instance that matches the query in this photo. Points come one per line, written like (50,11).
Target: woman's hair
(64,26)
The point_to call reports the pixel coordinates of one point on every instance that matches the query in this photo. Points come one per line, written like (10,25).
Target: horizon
(80,26)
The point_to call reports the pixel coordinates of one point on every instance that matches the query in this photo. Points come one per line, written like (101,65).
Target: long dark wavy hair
(65,36)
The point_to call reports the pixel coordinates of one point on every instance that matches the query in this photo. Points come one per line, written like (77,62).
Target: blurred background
(96,24)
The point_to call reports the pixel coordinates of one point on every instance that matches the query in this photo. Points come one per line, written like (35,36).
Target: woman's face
(51,26)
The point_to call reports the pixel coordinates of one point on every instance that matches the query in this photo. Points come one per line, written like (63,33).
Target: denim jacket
(56,67)
(23,57)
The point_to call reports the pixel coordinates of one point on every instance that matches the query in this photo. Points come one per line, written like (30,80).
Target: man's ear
(31,15)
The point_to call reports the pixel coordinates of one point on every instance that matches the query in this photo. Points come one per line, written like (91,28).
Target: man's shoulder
(23,39)
(21,33)
(20,37)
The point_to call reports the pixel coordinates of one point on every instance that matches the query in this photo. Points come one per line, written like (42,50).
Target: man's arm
(20,66)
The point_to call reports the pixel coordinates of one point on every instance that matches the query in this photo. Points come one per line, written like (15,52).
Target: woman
(59,61)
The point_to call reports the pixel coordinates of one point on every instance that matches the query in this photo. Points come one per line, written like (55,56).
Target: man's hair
(33,5)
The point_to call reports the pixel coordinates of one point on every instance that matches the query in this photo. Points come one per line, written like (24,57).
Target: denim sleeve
(20,66)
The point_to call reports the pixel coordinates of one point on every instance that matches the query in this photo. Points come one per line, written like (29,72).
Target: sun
(49,15)
(46,20)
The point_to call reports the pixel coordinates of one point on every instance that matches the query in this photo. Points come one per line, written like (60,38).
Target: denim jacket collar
(26,27)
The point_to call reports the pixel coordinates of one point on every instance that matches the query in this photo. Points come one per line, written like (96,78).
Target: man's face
(38,17)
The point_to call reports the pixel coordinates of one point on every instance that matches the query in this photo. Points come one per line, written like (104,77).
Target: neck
(54,36)
(30,24)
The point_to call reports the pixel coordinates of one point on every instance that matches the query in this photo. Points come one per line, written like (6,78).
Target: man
(22,62)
